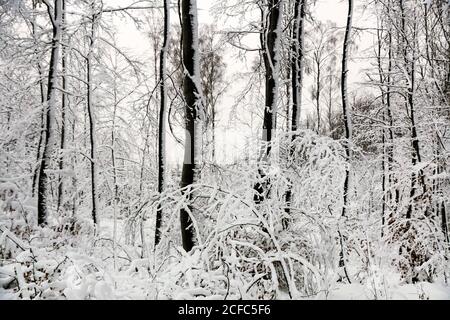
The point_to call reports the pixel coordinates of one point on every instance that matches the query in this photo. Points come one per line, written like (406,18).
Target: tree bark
(410,64)
(62,143)
(49,134)
(42,97)
(91,122)
(390,143)
(162,118)
(347,125)
(269,44)
(193,113)
(297,63)
(345,106)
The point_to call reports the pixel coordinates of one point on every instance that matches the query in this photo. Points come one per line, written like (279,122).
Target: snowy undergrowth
(244,250)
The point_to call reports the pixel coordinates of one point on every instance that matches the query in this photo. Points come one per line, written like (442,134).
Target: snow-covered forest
(224,149)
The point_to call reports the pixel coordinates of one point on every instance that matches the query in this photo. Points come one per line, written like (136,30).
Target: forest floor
(48,264)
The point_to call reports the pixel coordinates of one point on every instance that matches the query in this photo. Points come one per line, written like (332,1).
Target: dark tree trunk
(297,75)
(318,89)
(447,81)
(91,123)
(62,143)
(345,106)
(410,64)
(387,132)
(347,125)
(390,144)
(191,92)
(382,85)
(48,137)
(297,61)
(162,118)
(268,46)
(444,223)
(42,96)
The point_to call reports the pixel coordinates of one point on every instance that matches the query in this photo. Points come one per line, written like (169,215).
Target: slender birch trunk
(91,121)
(347,125)
(64,101)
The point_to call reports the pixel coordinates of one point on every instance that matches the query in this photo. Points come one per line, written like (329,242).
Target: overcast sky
(334,10)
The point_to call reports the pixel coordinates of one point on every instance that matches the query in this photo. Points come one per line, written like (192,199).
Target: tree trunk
(381,75)
(390,143)
(410,64)
(296,76)
(347,124)
(345,106)
(298,61)
(91,123)
(270,45)
(49,138)
(162,118)
(193,114)
(42,96)
(318,89)
(447,80)
(62,143)
(387,132)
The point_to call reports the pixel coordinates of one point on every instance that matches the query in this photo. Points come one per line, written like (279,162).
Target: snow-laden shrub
(247,250)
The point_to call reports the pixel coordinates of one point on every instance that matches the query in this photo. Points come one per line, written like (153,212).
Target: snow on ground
(422,291)
(86,270)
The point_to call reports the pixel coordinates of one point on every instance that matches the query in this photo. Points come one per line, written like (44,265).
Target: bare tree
(270,42)
(162,116)
(49,142)
(298,35)
(64,101)
(212,69)
(90,111)
(193,114)
(347,123)
(297,65)
(323,41)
